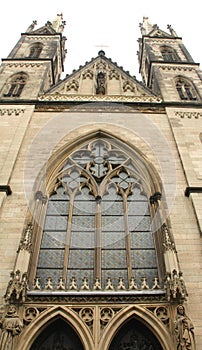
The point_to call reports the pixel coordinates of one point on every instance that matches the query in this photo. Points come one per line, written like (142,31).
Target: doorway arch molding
(37,326)
(143,315)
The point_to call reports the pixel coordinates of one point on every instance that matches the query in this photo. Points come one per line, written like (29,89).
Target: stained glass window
(98,223)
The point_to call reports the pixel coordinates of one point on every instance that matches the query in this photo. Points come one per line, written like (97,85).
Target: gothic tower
(100,197)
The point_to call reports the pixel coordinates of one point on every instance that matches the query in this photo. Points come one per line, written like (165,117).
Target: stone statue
(185,330)
(11,326)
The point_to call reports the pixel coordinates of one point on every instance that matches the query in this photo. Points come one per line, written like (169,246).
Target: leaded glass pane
(51,258)
(53,240)
(113,223)
(57,208)
(55,223)
(82,239)
(84,223)
(143,258)
(139,223)
(114,240)
(113,258)
(112,207)
(138,208)
(141,240)
(81,258)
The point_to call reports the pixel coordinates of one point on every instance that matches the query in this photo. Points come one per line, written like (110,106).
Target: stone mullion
(68,235)
(127,236)
(40,214)
(98,232)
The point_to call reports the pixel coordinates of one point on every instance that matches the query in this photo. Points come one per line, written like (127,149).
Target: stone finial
(61,285)
(17,286)
(109,285)
(58,24)
(73,285)
(25,242)
(85,285)
(175,286)
(172,31)
(49,284)
(121,285)
(132,284)
(97,285)
(31,27)
(145,27)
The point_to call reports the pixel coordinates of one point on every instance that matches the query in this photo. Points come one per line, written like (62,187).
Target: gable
(156,32)
(100,80)
(47,29)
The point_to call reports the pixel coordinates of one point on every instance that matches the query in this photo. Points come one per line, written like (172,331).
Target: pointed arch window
(186,90)
(169,54)
(15,85)
(97,223)
(35,50)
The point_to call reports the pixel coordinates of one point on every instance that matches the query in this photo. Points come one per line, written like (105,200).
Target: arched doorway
(134,335)
(59,335)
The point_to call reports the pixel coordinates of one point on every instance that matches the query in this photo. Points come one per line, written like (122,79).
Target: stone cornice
(11,111)
(98,98)
(188,115)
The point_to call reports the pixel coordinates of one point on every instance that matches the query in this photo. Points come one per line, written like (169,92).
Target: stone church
(100,197)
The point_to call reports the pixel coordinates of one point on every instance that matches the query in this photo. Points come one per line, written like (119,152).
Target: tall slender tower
(35,63)
(166,66)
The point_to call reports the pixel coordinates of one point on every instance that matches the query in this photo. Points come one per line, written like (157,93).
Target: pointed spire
(31,27)
(145,27)
(58,23)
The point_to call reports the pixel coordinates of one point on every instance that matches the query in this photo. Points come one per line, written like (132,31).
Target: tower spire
(58,24)
(146,27)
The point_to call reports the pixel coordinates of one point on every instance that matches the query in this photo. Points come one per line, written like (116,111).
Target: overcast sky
(110,25)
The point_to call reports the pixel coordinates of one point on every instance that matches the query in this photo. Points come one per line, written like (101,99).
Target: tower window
(185,90)
(35,50)
(169,54)
(15,85)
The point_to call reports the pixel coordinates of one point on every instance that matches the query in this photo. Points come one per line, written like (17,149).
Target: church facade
(100,197)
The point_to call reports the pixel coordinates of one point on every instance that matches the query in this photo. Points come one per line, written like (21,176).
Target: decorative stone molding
(60,286)
(30,313)
(17,287)
(73,85)
(25,242)
(88,74)
(114,74)
(98,98)
(26,65)
(176,68)
(41,38)
(11,111)
(188,115)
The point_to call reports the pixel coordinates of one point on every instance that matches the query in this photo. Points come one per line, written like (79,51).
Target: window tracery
(169,54)
(15,85)
(98,223)
(185,90)
(35,50)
